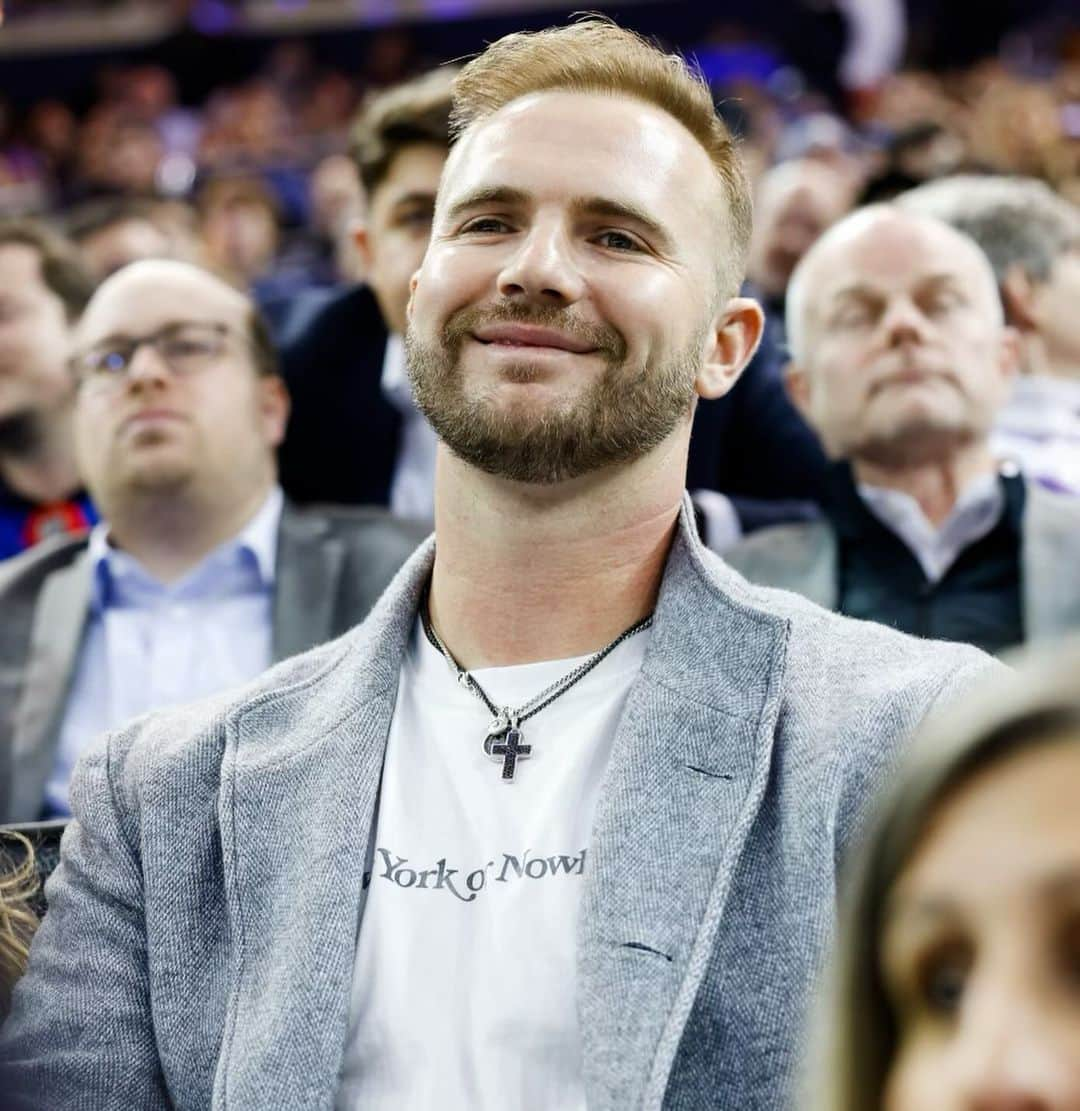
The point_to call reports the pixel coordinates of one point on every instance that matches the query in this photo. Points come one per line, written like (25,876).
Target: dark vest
(978,601)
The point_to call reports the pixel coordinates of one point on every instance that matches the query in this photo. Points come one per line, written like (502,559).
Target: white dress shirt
(412,489)
(976,513)
(148,645)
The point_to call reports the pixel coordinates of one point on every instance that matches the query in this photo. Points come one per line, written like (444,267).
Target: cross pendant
(509,749)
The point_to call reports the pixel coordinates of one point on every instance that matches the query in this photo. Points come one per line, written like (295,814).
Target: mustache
(606,339)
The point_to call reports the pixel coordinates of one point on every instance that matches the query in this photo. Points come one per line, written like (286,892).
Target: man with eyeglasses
(202,575)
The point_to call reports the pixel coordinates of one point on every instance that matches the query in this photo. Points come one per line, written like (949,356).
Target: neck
(171,532)
(1039,361)
(935,484)
(526,573)
(38,462)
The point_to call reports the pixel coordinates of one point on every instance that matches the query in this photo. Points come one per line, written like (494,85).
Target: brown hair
(62,271)
(857,1036)
(595,56)
(417,111)
(18,920)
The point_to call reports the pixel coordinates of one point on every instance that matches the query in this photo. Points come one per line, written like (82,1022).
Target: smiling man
(558,825)
(902,362)
(201,575)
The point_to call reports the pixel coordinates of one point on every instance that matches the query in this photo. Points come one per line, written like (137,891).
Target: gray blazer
(199,946)
(804,557)
(332,565)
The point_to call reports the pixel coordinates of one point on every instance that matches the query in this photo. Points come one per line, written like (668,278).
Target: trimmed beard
(20,434)
(621,416)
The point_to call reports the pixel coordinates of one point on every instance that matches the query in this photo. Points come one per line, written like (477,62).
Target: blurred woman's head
(958,962)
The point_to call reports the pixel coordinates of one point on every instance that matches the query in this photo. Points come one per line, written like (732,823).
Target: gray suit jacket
(332,565)
(199,946)
(804,557)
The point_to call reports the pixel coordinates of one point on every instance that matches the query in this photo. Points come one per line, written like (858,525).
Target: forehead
(559,145)
(1020,812)
(415,168)
(141,298)
(894,254)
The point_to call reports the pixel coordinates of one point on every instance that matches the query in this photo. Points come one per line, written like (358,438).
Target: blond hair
(18,921)
(596,56)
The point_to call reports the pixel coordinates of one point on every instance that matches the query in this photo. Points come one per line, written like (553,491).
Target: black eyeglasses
(185,348)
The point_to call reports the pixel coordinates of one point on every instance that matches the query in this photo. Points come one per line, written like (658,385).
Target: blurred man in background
(355,435)
(901,363)
(202,575)
(43,288)
(110,232)
(1032,237)
(794,202)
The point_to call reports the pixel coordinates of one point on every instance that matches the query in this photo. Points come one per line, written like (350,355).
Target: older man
(43,288)
(558,825)
(201,575)
(901,362)
(1032,237)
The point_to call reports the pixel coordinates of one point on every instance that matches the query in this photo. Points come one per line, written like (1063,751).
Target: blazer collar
(688,771)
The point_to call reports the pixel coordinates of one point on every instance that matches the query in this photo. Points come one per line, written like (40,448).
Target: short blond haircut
(595,56)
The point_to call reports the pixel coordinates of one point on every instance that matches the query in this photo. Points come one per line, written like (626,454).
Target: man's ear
(362,239)
(735,336)
(1018,297)
(274,406)
(414,281)
(1011,352)
(797,385)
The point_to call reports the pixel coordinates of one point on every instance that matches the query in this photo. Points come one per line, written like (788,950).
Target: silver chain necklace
(503,740)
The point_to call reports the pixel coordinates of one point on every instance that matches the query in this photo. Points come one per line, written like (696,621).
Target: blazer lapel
(59,620)
(310,562)
(689,768)
(300,780)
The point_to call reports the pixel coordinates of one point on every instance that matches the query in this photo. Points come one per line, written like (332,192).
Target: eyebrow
(1060,885)
(417,196)
(586,206)
(127,337)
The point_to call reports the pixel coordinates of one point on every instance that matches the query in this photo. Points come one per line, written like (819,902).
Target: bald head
(900,354)
(862,244)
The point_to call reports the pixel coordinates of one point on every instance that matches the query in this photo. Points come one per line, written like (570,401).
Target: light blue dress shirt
(148,645)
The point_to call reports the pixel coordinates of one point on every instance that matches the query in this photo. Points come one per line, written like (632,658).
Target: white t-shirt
(464,989)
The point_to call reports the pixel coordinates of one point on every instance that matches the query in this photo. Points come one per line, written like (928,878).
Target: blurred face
(113,247)
(161,430)
(34,337)
(242,237)
(398,227)
(981,944)
(796,202)
(904,354)
(1054,307)
(564,310)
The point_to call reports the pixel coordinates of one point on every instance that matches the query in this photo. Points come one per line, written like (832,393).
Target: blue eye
(113,361)
(618,241)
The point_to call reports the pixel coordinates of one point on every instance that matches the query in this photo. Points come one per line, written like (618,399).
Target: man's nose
(1010,1058)
(543,267)
(147,366)
(903,322)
